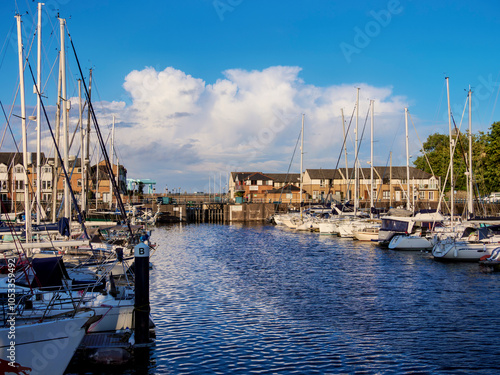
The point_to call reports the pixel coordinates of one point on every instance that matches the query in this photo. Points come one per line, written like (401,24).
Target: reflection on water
(260,299)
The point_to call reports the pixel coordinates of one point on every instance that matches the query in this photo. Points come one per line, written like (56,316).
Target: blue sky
(203,88)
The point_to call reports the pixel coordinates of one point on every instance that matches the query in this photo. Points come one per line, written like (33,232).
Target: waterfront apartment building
(12,179)
(390,185)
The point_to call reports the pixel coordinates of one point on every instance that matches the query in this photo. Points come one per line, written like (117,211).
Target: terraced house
(390,185)
(12,187)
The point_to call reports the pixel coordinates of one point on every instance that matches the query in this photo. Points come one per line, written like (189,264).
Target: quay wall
(260,212)
(218,212)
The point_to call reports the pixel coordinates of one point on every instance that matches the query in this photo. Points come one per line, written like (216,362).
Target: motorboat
(411,242)
(403,222)
(366,234)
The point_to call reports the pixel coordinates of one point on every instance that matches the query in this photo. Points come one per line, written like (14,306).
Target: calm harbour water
(234,299)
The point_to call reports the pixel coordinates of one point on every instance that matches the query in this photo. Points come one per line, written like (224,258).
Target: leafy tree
(479,161)
(485,159)
(492,158)
(437,150)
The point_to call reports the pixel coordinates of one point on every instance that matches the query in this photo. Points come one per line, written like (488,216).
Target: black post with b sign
(141,306)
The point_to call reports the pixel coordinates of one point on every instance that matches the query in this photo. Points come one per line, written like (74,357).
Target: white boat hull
(462,250)
(41,348)
(328,227)
(365,235)
(416,243)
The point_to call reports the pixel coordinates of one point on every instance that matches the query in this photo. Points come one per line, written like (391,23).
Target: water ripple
(261,300)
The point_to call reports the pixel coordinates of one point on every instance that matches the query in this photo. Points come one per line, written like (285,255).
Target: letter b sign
(141,250)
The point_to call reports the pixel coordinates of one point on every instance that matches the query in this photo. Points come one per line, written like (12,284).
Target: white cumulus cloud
(179,130)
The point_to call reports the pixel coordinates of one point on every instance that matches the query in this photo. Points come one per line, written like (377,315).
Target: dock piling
(141,307)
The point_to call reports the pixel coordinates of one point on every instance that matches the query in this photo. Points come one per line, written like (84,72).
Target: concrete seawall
(253,212)
(219,212)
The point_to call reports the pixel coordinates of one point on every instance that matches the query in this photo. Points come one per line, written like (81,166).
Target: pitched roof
(15,158)
(241,176)
(379,172)
(285,190)
(258,176)
(284,177)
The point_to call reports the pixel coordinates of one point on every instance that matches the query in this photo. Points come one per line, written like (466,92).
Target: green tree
(492,158)
(485,159)
(437,150)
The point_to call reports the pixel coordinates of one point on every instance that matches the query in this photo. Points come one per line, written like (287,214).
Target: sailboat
(41,347)
(464,248)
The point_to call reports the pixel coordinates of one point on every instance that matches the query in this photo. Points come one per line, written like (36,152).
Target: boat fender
(110,356)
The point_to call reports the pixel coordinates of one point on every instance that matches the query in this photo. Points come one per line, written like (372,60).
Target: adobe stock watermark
(59,342)
(266,135)
(223,6)
(372,29)
(11,314)
(482,91)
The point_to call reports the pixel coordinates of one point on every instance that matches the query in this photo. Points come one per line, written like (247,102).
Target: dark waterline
(265,300)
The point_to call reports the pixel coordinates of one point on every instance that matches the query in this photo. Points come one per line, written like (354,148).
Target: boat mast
(345,153)
(112,161)
(390,179)
(27,208)
(452,194)
(57,136)
(87,139)
(356,178)
(83,197)
(471,205)
(65,103)
(408,207)
(97,180)
(371,159)
(38,115)
(301,163)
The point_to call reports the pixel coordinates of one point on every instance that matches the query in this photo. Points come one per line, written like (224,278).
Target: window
(18,169)
(386,194)
(259,182)
(431,195)
(422,194)
(46,170)
(19,184)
